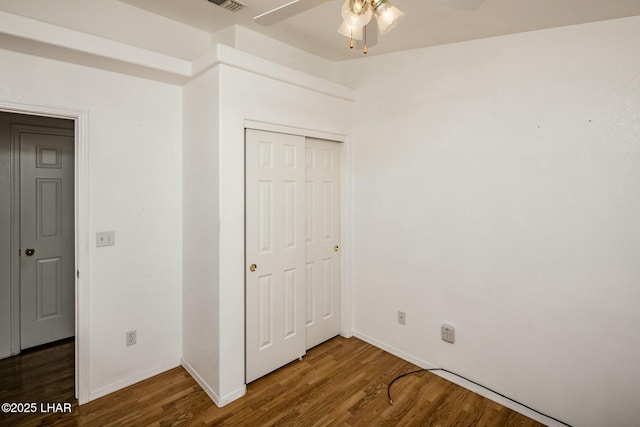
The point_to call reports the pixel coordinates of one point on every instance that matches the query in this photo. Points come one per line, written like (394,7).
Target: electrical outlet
(448,333)
(402,318)
(132,337)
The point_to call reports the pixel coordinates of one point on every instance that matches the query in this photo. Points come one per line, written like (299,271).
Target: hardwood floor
(341,382)
(41,375)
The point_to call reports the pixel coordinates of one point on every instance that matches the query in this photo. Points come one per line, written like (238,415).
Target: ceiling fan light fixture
(352,32)
(357,13)
(387,16)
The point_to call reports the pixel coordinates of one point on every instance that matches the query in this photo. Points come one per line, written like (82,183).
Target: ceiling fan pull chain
(364,38)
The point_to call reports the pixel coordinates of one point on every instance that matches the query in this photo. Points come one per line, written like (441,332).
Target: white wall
(135,174)
(261,46)
(281,53)
(201,323)
(496,188)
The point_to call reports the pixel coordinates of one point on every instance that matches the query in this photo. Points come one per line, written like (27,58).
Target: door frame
(81,226)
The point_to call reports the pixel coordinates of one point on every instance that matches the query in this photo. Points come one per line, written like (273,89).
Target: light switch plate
(105,238)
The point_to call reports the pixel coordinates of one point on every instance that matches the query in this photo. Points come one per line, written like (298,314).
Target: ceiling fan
(357,17)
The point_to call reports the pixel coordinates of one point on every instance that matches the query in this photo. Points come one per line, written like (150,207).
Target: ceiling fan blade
(286,11)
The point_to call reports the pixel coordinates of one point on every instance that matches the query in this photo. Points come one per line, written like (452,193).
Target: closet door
(275,251)
(322,309)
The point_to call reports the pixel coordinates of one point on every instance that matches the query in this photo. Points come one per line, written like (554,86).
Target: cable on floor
(472,382)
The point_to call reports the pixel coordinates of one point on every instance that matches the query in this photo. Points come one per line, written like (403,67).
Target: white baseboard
(234,395)
(346,334)
(119,385)
(219,401)
(459,381)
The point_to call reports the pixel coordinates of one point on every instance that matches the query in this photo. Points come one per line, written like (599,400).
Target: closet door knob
(253,267)
(29,252)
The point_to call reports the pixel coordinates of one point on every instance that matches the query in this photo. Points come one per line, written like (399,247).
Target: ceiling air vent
(232,5)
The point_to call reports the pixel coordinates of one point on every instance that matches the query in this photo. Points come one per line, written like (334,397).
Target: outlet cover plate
(105,238)
(402,318)
(448,333)
(132,337)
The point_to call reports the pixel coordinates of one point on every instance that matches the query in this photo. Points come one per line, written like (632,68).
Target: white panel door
(322,266)
(275,245)
(47,262)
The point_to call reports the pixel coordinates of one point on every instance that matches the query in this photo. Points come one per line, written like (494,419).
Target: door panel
(265,313)
(322,159)
(275,233)
(48,289)
(47,280)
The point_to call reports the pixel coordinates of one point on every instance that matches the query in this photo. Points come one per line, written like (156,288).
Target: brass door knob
(29,252)
(336,248)
(253,267)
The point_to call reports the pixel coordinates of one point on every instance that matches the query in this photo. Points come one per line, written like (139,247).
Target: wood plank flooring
(41,375)
(342,382)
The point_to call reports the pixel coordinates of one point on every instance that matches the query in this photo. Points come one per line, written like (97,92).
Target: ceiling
(426,23)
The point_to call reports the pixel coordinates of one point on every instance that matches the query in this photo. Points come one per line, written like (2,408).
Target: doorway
(292,247)
(38,262)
